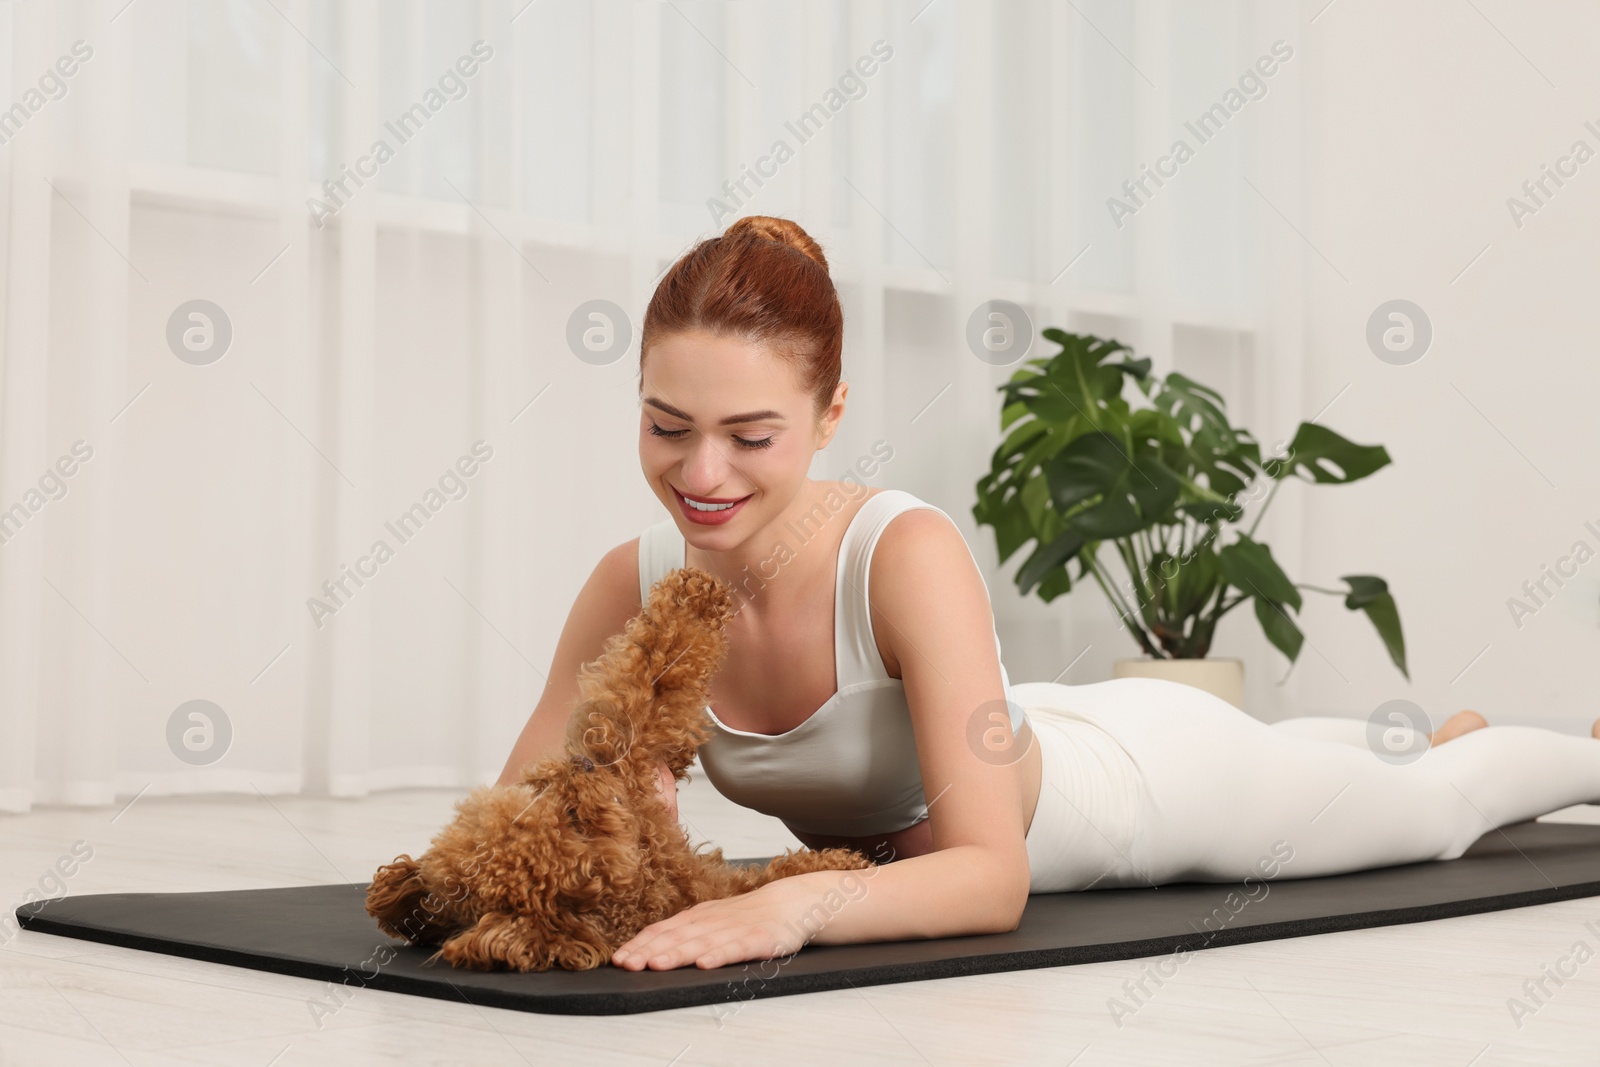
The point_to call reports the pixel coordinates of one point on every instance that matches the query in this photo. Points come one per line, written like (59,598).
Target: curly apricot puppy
(564,867)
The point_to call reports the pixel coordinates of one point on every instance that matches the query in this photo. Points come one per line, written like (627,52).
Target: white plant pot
(1221,677)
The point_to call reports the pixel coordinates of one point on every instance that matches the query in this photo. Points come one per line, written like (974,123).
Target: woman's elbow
(1014,915)
(1011,900)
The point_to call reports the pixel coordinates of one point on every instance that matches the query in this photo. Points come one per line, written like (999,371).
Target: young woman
(864,703)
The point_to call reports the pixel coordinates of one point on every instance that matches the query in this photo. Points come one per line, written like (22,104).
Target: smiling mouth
(708,504)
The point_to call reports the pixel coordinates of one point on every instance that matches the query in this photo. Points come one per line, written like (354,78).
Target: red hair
(764,281)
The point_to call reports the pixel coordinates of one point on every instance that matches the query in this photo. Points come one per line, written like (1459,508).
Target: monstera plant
(1164,486)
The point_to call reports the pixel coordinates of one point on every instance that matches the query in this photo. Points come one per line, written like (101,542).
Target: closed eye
(752,443)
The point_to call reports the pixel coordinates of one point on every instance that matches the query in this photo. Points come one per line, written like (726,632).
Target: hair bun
(757,281)
(783,231)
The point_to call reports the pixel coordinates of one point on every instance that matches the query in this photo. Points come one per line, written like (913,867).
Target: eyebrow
(731,420)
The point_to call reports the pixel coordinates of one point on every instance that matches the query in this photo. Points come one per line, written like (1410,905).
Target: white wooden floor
(1421,994)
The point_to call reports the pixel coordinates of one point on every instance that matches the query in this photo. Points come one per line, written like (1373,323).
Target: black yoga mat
(322,932)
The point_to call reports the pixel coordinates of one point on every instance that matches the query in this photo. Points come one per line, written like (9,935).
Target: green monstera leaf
(1371,594)
(1163,483)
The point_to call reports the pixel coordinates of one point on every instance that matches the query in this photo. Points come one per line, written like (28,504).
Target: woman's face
(721,422)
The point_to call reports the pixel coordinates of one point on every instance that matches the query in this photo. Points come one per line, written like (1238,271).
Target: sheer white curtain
(300,470)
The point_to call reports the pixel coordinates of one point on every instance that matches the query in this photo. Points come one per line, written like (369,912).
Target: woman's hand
(757,925)
(667,788)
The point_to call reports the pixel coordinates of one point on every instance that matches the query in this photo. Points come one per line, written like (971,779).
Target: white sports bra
(851,768)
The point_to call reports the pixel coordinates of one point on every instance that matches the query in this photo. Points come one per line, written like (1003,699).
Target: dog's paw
(844,859)
(509,942)
(806,860)
(395,898)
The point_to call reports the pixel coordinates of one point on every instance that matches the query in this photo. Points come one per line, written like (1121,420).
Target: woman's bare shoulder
(617,573)
(927,528)
(610,597)
(918,543)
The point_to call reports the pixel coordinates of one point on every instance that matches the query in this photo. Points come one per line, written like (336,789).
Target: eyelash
(673,435)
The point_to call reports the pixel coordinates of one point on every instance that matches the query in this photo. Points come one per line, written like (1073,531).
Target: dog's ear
(643,700)
(520,942)
(403,905)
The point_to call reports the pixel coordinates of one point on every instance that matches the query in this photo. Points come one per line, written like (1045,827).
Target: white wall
(1421,120)
(977,165)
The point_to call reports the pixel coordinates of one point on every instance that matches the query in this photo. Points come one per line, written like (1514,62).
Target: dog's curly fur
(561,869)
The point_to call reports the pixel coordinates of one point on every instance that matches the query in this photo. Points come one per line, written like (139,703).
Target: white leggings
(1146,782)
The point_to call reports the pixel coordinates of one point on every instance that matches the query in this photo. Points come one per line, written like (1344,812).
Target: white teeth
(708,507)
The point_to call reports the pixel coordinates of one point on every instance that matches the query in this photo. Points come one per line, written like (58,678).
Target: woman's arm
(930,607)
(603,607)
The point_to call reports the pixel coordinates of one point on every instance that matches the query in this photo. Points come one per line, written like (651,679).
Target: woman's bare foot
(1464,722)
(1594,731)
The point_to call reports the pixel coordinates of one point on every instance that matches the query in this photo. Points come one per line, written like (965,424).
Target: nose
(706,467)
